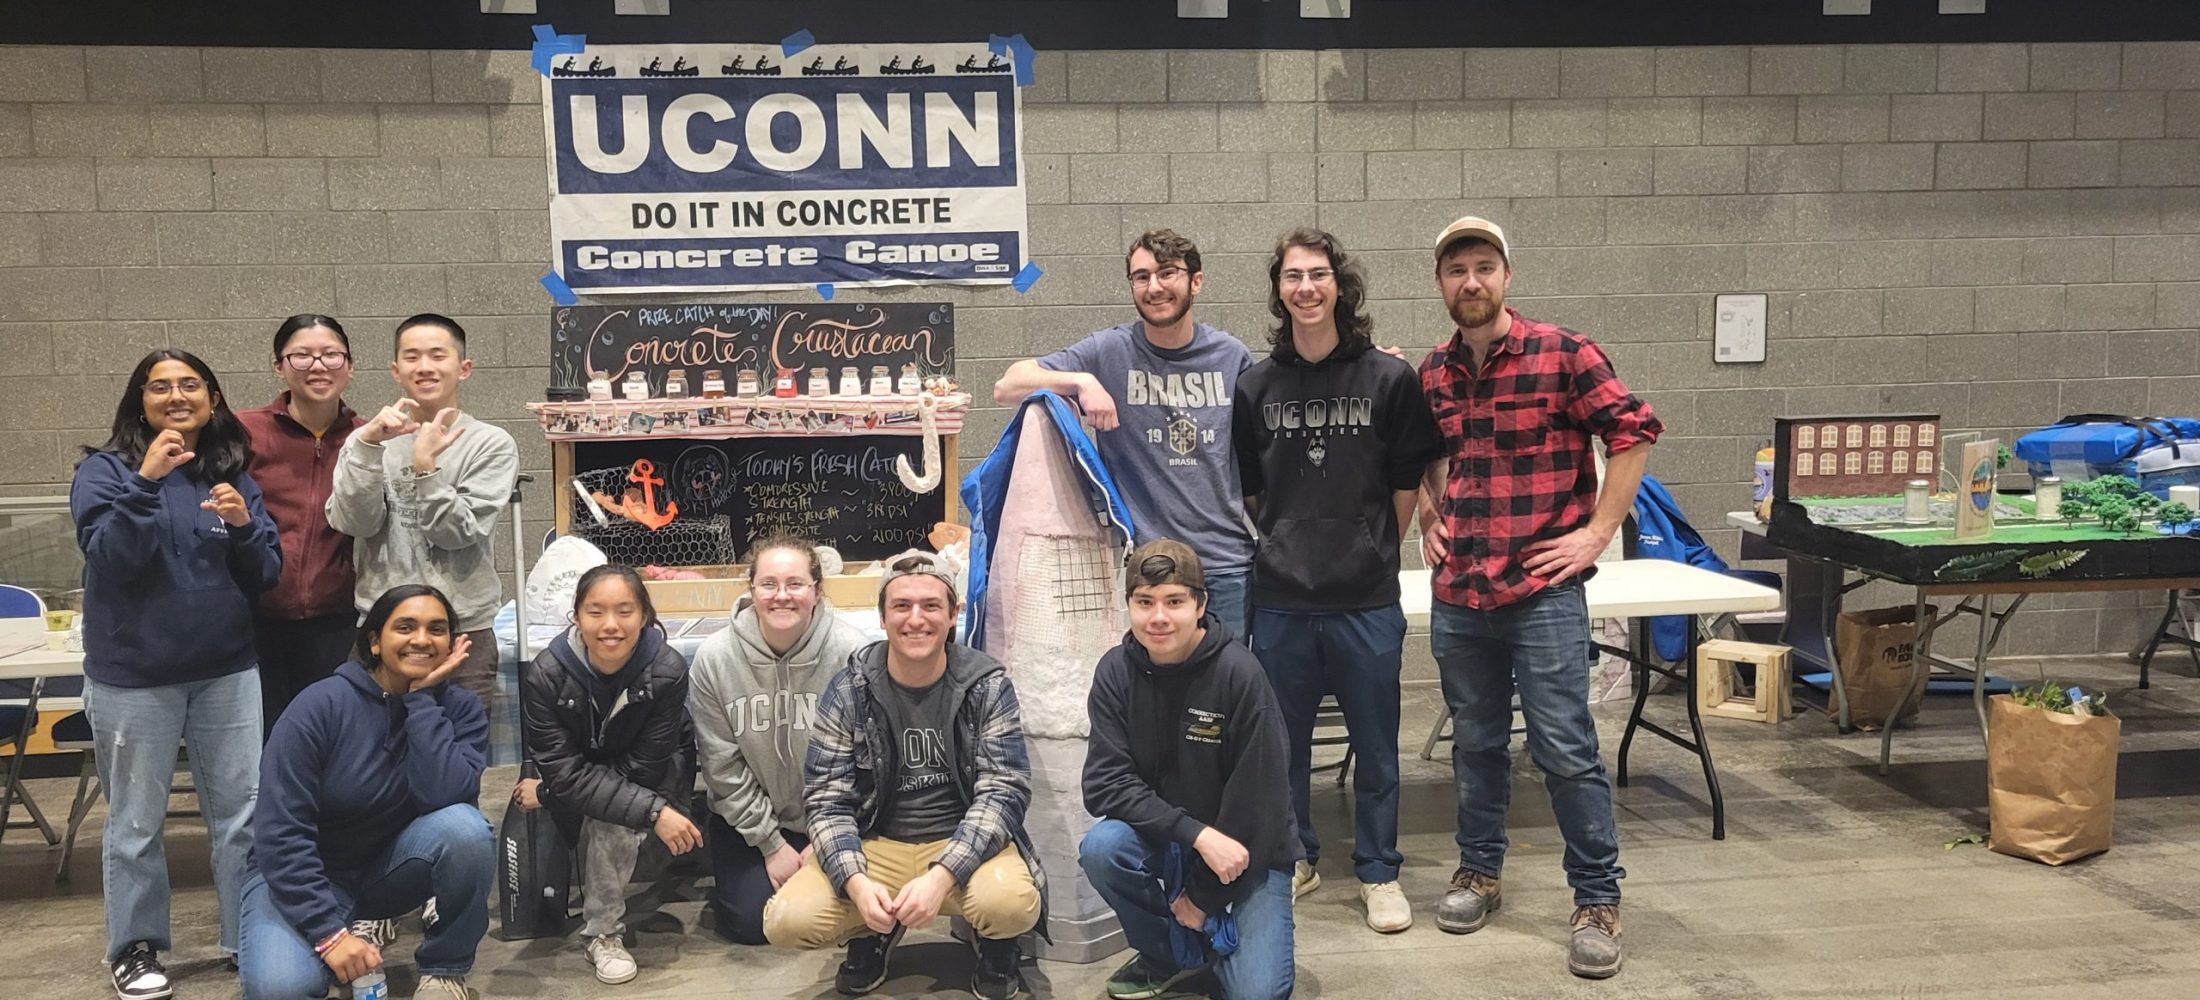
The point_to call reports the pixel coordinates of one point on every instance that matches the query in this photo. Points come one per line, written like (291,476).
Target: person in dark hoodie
(1332,437)
(917,784)
(1188,758)
(753,695)
(176,548)
(304,626)
(606,711)
(367,810)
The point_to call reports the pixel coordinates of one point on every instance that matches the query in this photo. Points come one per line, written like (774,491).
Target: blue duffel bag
(2091,445)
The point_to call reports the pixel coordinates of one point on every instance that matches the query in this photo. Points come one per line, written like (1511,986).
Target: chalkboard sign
(610,341)
(840,491)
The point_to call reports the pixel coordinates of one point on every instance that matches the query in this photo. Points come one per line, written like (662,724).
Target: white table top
(1745,520)
(1633,588)
(39,662)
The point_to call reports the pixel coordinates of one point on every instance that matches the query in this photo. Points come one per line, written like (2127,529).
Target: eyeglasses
(300,361)
(774,588)
(188,387)
(1317,276)
(1143,279)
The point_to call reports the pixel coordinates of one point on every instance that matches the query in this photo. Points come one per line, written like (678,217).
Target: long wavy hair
(223,449)
(1355,328)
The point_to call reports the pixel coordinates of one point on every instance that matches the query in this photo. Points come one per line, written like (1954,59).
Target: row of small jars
(636,386)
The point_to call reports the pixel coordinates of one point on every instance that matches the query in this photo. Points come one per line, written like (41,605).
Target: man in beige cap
(1511,525)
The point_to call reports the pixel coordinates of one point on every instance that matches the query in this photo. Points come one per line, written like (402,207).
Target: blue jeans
(1356,656)
(1541,644)
(1125,868)
(1226,596)
(135,733)
(449,854)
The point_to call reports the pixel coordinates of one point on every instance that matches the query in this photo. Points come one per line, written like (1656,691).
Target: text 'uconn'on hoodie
(1326,445)
(168,586)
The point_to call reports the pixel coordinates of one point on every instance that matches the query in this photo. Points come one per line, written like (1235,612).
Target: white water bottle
(372,986)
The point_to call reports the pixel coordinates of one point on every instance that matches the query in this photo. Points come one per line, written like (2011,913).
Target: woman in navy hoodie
(176,548)
(367,810)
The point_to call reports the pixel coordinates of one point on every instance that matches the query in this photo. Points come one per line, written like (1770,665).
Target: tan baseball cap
(1473,227)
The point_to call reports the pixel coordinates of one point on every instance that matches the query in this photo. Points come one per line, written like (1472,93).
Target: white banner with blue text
(704,168)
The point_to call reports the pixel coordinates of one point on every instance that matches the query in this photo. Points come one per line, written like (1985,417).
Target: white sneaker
(614,965)
(1304,879)
(434,987)
(1387,908)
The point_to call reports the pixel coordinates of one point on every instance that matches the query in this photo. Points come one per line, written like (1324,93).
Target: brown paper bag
(1873,649)
(2050,781)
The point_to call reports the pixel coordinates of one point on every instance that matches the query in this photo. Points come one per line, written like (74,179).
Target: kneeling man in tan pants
(916,784)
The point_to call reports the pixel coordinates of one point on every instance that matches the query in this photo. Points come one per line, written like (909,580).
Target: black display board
(841,491)
(654,339)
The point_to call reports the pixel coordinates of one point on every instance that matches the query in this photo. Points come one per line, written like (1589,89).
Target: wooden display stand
(1717,683)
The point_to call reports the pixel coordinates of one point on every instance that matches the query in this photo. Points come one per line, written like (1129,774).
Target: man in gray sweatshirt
(419,488)
(753,692)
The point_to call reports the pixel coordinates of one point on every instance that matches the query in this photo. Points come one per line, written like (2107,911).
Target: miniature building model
(1860,456)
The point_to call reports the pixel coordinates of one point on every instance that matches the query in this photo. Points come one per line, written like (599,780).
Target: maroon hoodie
(295,471)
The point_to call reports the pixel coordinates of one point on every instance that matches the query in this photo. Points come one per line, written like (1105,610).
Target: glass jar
(821,382)
(783,386)
(676,384)
(882,383)
(910,384)
(636,386)
(1917,501)
(714,384)
(851,381)
(747,384)
(599,389)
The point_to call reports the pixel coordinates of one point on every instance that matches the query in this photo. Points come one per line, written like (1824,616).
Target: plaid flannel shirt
(851,747)
(1517,434)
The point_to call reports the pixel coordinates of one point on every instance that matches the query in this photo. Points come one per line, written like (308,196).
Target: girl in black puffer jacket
(606,717)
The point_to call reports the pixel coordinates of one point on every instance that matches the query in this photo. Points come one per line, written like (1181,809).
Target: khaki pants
(1000,901)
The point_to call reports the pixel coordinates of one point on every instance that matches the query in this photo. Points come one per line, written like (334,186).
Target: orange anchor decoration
(640,505)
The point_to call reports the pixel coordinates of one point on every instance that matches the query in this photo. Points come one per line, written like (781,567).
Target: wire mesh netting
(687,541)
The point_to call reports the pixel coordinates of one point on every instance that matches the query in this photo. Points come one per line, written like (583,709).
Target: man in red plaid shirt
(1511,524)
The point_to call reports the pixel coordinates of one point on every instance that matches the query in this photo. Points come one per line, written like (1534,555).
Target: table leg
(1921,652)
(1814,604)
(2154,642)
(1986,643)
(1695,729)
(1634,717)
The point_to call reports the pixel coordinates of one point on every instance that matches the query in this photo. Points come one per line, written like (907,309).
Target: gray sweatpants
(608,853)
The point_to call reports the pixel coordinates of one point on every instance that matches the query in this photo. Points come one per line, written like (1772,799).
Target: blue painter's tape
(1019,50)
(549,45)
(825,290)
(560,292)
(1027,277)
(796,42)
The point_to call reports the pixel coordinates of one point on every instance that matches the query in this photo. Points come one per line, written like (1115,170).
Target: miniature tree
(2002,458)
(2118,486)
(2126,522)
(2112,510)
(2145,503)
(2070,511)
(2172,515)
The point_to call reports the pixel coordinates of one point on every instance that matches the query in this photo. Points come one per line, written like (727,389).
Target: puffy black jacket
(616,766)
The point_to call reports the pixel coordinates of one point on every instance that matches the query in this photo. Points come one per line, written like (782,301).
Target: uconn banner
(693,168)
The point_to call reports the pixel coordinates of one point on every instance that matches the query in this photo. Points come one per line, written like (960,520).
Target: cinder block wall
(1998,233)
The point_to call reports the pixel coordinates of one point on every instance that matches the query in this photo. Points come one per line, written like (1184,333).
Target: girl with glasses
(754,694)
(176,548)
(304,625)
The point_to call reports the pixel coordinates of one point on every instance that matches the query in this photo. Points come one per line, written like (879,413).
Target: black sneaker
(865,967)
(997,976)
(140,976)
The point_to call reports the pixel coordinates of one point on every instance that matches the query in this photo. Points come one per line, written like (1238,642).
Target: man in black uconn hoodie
(1329,436)
(1194,848)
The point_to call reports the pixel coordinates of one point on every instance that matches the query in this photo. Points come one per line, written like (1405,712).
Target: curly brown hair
(1355,328)
(1167,246)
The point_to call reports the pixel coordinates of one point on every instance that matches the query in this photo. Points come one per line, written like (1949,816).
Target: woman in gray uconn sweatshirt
(752,691)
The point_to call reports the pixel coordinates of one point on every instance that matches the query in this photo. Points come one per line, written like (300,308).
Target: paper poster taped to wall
(695,168)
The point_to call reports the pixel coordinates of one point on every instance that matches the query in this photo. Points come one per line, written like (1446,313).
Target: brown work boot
(1595,952)
(1468,904)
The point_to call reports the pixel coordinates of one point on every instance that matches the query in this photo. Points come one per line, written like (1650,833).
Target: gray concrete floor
(1833,882)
